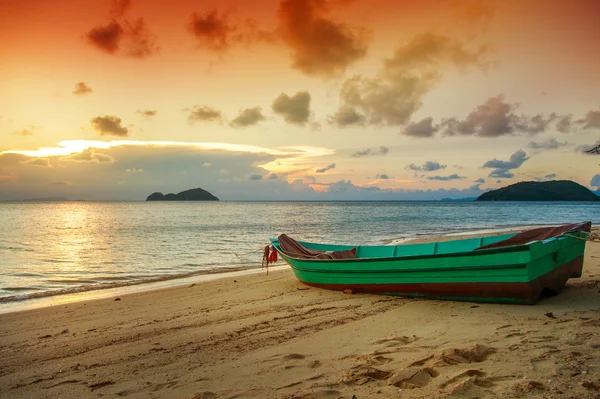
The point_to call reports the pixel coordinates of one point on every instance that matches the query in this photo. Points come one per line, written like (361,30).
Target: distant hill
(555,190)
(194,194)
(458,199)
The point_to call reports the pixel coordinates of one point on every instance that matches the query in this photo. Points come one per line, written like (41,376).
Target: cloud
(502,167)
(382,176)
(595,182)
(89,155)
(123,36)
(550,144)
(515,161)
(295,110)
(211,30)
(109,126)
(273,176)
(82,89)
(24,132)
(203,113)
(424,128)
(44,162)
(248,117)
(396,92)
(564,123)
(501,173)
(444,178)
(494,118)
(207,164)
(218,33)
(255,176)
(60,183)
(428,166)
(367,152)
(325,169)
(134,170)
(480,180)
(147,113)
(591,120)
(346,116)
(319,46)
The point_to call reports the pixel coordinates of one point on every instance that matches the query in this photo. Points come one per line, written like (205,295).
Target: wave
(114,284)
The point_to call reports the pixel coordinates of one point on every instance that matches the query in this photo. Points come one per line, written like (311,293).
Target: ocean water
(49,249)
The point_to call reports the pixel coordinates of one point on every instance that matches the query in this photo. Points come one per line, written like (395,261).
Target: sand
(270,336)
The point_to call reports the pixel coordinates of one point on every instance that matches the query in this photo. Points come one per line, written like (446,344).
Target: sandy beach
(262,336)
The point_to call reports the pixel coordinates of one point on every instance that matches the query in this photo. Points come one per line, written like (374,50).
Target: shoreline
(107,290)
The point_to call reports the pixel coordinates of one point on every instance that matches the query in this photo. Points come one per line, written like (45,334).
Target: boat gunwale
(491,251)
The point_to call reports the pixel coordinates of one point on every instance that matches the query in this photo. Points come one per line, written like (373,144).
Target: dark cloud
(501,173)
(502,167)
(424,128)
(82,89)
(480,180)
(273,176)
(219,33)
(595,182)
(591,120)
(366,152)
(109,126)
(147,113)
(428,166)
(295,110)
(414,69)
(89,155)
(248,117)
(60,183)
(382,176)
(550,144)
(444,178)
(515,161)
(255,176)
(123,36)
(325,169)
(346,116)
(319,46)
(44,162)
(203,113)
(212,30)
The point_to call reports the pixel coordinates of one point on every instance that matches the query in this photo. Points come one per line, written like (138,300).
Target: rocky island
(194,194)
(555,190)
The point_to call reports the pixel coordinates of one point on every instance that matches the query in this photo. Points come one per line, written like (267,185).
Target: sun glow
(288,159)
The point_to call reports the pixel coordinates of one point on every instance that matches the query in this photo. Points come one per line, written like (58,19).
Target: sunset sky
(296,99)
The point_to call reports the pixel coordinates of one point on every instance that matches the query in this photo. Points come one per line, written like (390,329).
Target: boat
(511,268)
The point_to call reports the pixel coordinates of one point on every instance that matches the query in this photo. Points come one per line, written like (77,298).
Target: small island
(555,190)
(194,194)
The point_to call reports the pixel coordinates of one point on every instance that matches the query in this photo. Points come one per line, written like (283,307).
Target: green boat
(510,268)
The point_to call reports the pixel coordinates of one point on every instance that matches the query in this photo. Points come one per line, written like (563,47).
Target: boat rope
(247,253)
(591,237)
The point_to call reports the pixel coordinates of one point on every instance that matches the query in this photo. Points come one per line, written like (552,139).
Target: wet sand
(259,336)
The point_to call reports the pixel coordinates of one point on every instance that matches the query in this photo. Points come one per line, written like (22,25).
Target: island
(194,194)
(555,190)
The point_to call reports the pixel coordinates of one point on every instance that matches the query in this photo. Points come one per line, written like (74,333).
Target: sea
(57,252)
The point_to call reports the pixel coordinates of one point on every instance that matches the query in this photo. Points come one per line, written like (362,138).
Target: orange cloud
(320,46)
(122,36)
(109,126)
(81,89)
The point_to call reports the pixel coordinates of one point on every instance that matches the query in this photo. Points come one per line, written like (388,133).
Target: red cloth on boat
(294,249)
(541,233)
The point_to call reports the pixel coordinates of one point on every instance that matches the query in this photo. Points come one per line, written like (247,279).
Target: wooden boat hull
(519,274)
